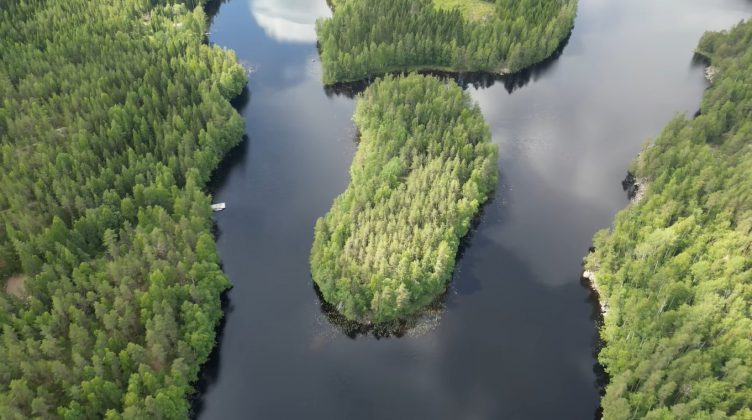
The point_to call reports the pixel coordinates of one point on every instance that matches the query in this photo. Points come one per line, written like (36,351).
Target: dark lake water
(517,337)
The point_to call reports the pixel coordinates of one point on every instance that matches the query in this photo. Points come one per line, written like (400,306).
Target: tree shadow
(472,286)
(211,8)
(397,328)
(477,80)
(602,378)
(209,372)
(234,157)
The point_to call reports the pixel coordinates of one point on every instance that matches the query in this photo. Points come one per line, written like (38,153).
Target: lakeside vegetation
(112,117)
(424,165)
(675,270)
(364,39)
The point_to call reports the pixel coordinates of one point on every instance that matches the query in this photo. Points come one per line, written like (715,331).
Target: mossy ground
(14,285)
(474,10)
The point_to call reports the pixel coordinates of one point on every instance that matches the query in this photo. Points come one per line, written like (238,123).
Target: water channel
(517,335)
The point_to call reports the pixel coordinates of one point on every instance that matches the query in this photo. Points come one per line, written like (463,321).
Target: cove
(517,335)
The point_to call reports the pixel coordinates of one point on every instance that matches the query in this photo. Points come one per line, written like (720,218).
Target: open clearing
(472,9)
(15,285)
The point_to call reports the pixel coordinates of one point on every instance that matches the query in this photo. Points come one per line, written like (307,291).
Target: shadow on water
(699,61)
(237,154)
(472,285)
(397,329)
(234,157)
(241,101)
(630,185)
(477,80)
(596,315)
(211,8)
(209,372)
(602,378)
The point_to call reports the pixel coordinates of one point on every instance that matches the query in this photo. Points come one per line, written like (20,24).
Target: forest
(364,39)
(112,117)
(423,167)
(675,269)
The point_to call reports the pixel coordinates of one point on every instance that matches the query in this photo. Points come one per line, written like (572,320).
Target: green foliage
(112,116)
(424,165)
(473,10)
(676,269)
(366,38)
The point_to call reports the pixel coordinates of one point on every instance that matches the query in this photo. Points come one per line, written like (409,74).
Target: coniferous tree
(112,117)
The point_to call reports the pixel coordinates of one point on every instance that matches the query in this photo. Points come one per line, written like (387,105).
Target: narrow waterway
(516,338)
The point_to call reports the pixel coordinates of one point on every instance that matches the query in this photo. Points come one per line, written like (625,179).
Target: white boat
(218,206)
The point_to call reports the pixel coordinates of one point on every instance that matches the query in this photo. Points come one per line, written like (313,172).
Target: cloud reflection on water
(289,20)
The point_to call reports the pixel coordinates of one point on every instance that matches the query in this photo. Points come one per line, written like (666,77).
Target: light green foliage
(424,165)
(367,38)
(676,269)
(112,116)
(473,10)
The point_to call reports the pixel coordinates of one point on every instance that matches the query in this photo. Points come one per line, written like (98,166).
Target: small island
(364,39)
(424,165)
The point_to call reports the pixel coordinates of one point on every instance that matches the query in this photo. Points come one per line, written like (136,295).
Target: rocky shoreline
(635,187)
(710,73)
(589,275)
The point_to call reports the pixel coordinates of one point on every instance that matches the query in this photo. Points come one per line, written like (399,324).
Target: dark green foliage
(676,269)
(367,38)
(423,167)
(112,116)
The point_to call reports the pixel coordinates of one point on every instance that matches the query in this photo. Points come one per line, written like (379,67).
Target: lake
(517,336)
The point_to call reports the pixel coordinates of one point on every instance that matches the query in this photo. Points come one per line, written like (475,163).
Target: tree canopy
(675,270)
(369,38)
(112,116)
(424,165)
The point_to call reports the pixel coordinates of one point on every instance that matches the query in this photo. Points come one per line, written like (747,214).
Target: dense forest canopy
(112,116)
(675,270)
(367,38)
(424,165)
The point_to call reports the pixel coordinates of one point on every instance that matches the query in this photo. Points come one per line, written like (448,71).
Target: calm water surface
(516,338)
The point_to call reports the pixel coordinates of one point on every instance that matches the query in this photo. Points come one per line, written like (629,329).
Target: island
(364,39)
(113,116)
(424,166)
(675,270)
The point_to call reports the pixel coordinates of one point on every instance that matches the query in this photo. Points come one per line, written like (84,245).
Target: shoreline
(502,73)
(590,278)
(484,78)
(401,327)
(634,187)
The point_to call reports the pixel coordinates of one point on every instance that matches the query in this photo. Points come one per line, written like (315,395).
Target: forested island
(675,270)
(424,165)
(112,117)
(369,38)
